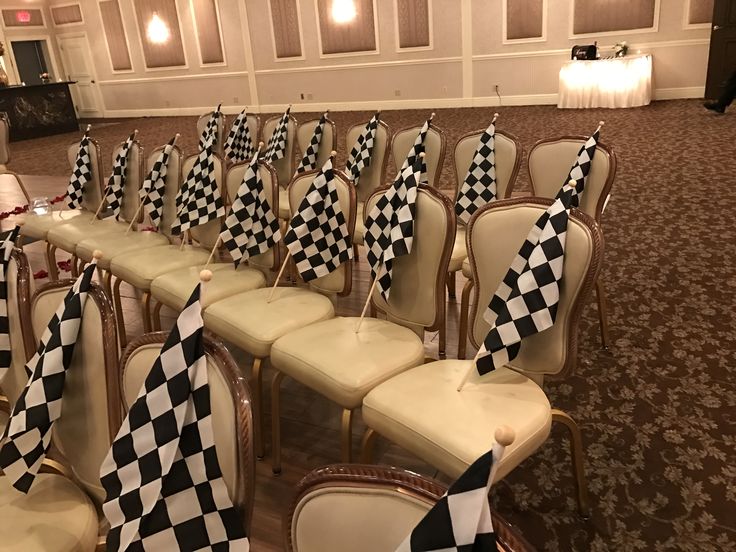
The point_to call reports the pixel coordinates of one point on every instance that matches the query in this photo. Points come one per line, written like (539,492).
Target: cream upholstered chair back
(91,403)
(254,127)
(232,419)
(206,234)
(222,130)
(133,179)
(417,298)
(508,160)
(172,183)
(92,194)
(374,175)
(270,260)
(327,144)
(550,161)
(339,281)
(495,234)
(4,140)
(285,166)
(434,147)
(20,287)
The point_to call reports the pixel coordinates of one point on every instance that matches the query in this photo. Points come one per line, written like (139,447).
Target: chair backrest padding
(508,160)
(374,175)
(285,166)
(339,281)
(269,260)
(222,130)
(434,147)
(206,234)
(550,161)
(327,143)
(417,296)
(92,193)
(496,233)
(20,286)
(84,432)
(133,179)
(232,421)
(172,185)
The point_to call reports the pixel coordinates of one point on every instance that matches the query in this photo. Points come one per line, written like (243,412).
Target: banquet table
(612,82)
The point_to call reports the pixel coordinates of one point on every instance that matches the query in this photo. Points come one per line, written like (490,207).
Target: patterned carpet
(657,411)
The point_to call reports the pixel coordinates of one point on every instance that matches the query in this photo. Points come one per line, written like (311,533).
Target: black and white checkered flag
(479,186)
(209,134)
(318,237)
(81,174)
(276,147)
(154,186)
(251,228)
(309,161)
(239,146)
(162,479)
(360,155)
(199,200)
(389,227)
(461,520)
(581,168)
(416,149)
(6,352)
(39,405)
(116,183)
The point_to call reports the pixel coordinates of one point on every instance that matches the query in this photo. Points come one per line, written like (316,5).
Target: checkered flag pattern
(81,174)
(6,248)
(360,156)
(479,186)
(154,186)
(238,145)
(309,161)
(39,405)
(389,227)
(318,237)
(209,134)
(162,479)
(276,147)
(581,168)
(251,228)
(116,182)
(415,150)
(461,520)
(199,200)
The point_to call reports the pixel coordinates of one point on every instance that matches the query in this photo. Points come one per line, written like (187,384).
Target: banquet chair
(174,288)
(285,166)
(5,154)
(222,130)
(60,512)
(140,267)
(434,146)
(343,365)
(549,164)
(252,323)
(365,508)
(38,226)
(422,410)
(232,420)
(67,236)
(374,175)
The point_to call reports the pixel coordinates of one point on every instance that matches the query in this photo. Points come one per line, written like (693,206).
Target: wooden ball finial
(495,114)
(572,183)
(422,154)
(504,435)
(20,222)
(97,254)
(601,123)
(205,275)
(333,153)
(261,144)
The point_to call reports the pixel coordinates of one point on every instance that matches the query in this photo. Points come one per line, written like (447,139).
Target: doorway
(722,56)
(31,60)
(75,56)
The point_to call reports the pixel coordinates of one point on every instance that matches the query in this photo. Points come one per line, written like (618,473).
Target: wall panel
(358,35)
(207,23)
(66,15)
(285,26)
(524,19)
(170,53)
(413,23)
(112,26)
(699,12)
(604,16)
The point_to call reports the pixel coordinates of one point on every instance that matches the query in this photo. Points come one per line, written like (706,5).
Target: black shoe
(714,106)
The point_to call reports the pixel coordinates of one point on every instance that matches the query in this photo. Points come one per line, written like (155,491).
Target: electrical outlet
(397,93)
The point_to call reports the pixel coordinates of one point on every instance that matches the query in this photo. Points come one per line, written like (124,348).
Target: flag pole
(504,436)
(140,204)
(276,283)
(600,125)
(20,224)
(368,300)
(204,277)
(183,240)
(495,117)
(466,377)
(99,209)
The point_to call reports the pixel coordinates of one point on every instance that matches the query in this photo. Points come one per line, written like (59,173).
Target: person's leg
(725,99)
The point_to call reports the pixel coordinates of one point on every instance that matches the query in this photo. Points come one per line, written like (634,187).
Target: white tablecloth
(615,82)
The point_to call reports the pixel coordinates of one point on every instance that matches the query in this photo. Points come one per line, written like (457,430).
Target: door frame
(93,71)
(41,37)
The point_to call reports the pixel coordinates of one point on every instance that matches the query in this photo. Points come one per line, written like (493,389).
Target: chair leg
(106,279)
(462,338)
(276,423)
(74,267)
(346,436)
(600,294)
(367,446)
(51,262)
(118,305)
(146,311)
(257,387)
(451,285)
(156,316)
(442,345)
(576,451)
(356,252)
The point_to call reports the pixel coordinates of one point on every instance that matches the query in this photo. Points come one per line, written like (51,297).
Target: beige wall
(467,59)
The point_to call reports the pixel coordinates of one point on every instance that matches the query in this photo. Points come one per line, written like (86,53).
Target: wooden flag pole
(600,126)
(214,249)
(19,223)
(467,373)
(368,300)
(183,240)
(102,202)
(140,204)
(276,283)
(495,117)
(204,277)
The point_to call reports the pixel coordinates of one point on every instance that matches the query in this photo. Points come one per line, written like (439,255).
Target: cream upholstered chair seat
(55,515)
(37,226)
(347,365)
(250,322)
(113,244)
(174,288)
(140,268)
(452,442)
(67,236)
(459,251)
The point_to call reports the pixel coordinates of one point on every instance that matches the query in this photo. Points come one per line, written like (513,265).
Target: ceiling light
(343,11)
(157,31)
